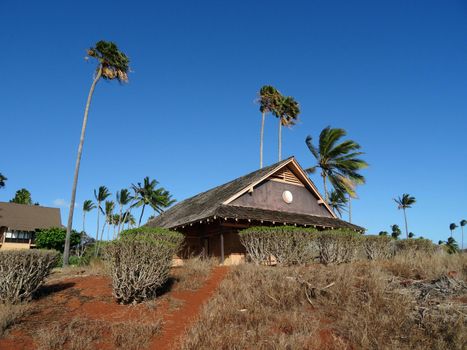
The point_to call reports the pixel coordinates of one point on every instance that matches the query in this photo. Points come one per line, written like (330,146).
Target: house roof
(215,202)
(28,217)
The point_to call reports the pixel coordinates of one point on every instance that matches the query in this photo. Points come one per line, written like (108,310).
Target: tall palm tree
(337,201)
(111,64)
(109,207)
(338,162)
(123,198)
(88,205)
(2,180)
(452,227)
(405,202)
(101,195)
(268,100)
(147,194)
(463,223)
(287,112)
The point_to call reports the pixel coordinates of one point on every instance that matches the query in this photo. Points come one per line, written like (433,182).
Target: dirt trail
(176,322)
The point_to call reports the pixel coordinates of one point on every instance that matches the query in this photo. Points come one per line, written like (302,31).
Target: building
(280,194)
(18,223)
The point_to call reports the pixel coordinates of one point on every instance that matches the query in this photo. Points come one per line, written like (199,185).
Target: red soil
(90,297)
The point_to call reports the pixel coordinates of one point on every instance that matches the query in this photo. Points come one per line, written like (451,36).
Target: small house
(18,223)
(280,194)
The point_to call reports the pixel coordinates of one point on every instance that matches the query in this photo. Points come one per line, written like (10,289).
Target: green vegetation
(54,238)
(405,202)
(338,161)
(268,97)
(2,180)
(23,196)
(452,227)
(147,194)
(111,64)
(287,112)
(100,195)
(123,198)
(337,201)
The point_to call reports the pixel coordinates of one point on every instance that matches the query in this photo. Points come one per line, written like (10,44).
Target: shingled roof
(23,217)
(212,203)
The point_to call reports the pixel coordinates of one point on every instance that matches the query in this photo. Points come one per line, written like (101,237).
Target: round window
(287,197)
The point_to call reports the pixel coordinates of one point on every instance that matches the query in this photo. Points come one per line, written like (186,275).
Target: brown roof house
(280,194)
(19,221)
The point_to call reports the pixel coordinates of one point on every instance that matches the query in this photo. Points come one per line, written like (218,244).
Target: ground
(67,305)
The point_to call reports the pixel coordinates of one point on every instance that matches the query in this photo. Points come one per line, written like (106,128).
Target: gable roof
(216,201)
(23,217)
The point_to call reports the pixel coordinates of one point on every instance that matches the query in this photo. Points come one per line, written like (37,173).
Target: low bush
(337,246)
(22,272)
(416,245)
(10,314)
(377,247)
(287,245)
(54,238)
(159,233)
(140,263)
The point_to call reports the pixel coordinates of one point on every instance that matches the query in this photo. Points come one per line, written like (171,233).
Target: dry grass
(194,272)
(405,303)
(11,314)
(83,334)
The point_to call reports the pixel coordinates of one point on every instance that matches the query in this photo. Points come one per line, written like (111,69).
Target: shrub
(416,245)
(159,233)
(287,245)
(337,246)
(54,238)
(140,263)
(377,247)
(22,272)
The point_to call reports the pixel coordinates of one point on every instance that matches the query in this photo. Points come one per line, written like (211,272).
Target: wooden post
(222,248)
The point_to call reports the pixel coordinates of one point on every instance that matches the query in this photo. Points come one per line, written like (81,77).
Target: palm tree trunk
(462,239)
(325,188)
(406,227)
(120,219)
(263,117)
(66,251)
(280,139)
(102,237)
(141,216)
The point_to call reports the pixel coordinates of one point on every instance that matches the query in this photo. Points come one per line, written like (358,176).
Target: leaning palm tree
(451,245)
(147,194)
(88,205)
(337,201)
(287,112)
(268,99)
(100,195)
(123,198)
(339,162)
(111,64)
(452,227)
(405,202)
(463,223)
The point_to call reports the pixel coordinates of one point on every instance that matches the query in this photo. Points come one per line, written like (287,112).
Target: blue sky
(392,73)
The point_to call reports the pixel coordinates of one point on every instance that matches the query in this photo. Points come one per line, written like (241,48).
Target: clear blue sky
(392,73)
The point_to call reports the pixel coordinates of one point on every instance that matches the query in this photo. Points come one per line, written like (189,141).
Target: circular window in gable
(287,197)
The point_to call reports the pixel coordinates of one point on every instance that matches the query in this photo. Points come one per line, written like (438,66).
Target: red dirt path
(90,297)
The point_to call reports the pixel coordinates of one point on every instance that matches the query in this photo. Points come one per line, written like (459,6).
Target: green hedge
(158,233)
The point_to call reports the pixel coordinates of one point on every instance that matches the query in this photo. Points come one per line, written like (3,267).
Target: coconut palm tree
(287,112)
(451,245)
(147,194)
(396,231)
(463,223)
(2,180)
(123,198)
(100,195)
(111,64)
(337,201)
(405,202)
(452,227)
(108,213)
(88,205)
(268,98)
(338,162)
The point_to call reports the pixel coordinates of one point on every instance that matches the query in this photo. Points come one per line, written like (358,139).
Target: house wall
(12,246)
(268,195)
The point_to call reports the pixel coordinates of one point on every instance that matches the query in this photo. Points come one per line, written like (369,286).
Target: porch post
(222,248)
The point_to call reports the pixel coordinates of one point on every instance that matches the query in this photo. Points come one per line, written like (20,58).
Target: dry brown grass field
(412,301)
